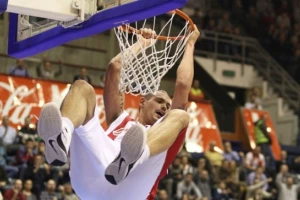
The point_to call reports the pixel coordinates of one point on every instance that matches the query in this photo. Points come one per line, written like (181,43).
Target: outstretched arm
(113,98)
(185,74)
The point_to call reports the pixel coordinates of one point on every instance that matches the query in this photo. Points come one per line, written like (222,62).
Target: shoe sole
(132,146)
(49,128)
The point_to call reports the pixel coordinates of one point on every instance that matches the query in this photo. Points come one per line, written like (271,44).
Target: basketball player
(128,159)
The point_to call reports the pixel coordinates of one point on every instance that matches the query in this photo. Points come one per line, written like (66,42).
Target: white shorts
(92,150)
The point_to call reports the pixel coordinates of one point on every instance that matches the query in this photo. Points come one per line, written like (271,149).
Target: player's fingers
(143,32)
(148,32)
(153,34)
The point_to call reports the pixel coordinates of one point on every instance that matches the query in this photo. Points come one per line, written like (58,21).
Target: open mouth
(160,113)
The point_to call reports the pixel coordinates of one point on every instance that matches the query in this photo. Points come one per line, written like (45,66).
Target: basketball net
(142,72)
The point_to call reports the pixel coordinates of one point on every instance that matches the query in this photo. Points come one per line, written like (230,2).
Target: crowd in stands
(24,174)
(275,23)
(230,175)
(46,71)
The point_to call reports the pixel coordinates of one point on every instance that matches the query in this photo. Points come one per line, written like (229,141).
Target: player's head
(154,106)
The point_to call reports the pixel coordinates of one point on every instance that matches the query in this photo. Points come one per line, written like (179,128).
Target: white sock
(66,123)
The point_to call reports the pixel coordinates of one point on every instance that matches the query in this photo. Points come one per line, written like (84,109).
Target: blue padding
(3,6)
(100,22)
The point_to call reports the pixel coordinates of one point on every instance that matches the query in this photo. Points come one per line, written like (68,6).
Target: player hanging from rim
(128,159)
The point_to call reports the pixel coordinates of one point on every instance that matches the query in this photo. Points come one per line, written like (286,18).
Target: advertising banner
(21,97)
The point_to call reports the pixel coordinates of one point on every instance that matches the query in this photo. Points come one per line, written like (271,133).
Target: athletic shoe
(53,134)
(132,147)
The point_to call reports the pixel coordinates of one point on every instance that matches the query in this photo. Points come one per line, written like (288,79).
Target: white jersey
(93,149)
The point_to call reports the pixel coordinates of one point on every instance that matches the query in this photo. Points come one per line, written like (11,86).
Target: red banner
(20,97)
(250,116)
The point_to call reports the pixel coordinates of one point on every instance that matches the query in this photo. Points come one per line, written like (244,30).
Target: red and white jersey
(93,149)
(147,175)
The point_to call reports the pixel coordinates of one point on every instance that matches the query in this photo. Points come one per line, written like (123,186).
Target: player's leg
(134,150)
(79,104)
(56,126)
(162,135)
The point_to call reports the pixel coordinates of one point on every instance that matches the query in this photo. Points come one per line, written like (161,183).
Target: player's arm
(113,98)
(185,74)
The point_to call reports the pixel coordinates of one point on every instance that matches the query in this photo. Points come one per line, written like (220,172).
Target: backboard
(50,33)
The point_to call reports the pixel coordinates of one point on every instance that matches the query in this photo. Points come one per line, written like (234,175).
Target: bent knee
(84,87)
(81,84)
(181,116)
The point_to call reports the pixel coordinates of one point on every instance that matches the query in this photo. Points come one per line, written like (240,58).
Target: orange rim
(131,29)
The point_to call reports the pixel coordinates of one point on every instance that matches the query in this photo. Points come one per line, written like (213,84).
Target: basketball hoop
(142,73)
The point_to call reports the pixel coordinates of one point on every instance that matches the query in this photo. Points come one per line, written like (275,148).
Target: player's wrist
(190,44)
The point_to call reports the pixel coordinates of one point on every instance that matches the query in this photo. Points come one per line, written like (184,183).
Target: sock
(66,123)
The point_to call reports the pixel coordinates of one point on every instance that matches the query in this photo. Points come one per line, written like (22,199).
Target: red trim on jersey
(171,154)
(121,125)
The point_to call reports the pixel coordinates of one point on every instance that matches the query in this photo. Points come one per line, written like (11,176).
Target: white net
(142,72)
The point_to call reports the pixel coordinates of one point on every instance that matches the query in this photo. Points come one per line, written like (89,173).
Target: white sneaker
(132,147)
(53,134)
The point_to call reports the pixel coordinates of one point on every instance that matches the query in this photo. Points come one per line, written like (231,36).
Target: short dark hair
(148,96)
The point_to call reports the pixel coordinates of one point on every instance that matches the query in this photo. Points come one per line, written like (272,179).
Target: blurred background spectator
(196,93)
(15,192)
(188,187)
(20,69)
(83,76)
(45,70)
(254,100)
(8,134)
(27,190)
(50,192)
(27,131)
